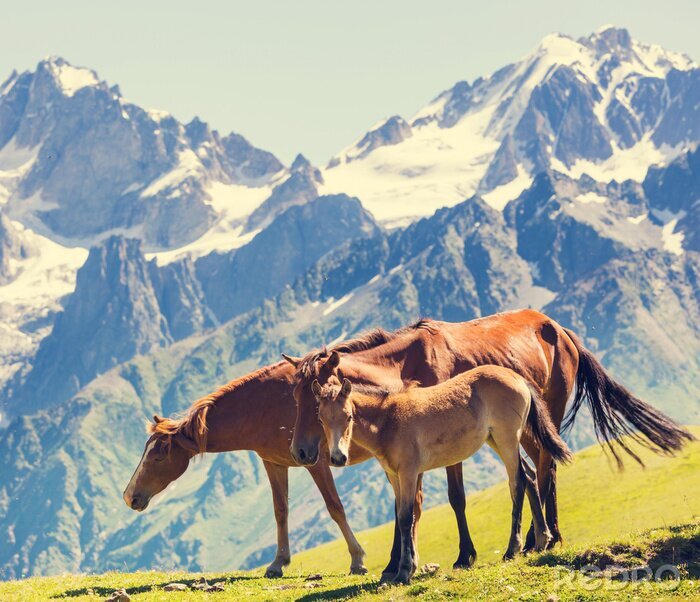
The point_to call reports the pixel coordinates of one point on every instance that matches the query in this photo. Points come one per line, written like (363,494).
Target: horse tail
(617,412)
(542,428)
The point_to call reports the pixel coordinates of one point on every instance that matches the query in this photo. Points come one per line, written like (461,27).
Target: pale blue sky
(310,75)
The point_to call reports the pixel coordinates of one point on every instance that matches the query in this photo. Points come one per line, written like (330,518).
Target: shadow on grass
(142,589)
(341,593)
(681,549)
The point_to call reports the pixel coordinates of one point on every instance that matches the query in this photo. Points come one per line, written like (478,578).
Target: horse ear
(185,443)
(294,361)
(346,388)
(333,360)
(316,387)
(157,419)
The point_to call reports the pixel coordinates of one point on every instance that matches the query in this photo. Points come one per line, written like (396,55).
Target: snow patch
(591,197)
(673,241)
(71,79)
(333,305)
(188,165)
(638,219)
(500,196)
(49,273)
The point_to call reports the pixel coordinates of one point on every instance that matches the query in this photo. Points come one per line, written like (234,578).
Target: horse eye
(158,458)
(349,418)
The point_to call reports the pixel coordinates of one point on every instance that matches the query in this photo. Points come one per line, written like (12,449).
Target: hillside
(642,517)
(596,504)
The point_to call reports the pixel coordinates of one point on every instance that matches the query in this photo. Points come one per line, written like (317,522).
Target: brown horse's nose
(127,498)
(339,459)
(302,456)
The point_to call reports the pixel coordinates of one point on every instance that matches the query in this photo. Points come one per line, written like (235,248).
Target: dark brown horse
(255,413)
(526,341)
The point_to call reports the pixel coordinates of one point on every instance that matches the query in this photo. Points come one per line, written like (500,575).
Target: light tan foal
(424,428)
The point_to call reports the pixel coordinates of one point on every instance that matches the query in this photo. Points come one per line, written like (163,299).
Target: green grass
(641,517)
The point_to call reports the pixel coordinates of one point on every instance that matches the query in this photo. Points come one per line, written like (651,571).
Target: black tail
(543,429)
(617,412)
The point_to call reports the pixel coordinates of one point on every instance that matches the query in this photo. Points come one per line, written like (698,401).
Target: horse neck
(379,365)
(247,416)
(370,417)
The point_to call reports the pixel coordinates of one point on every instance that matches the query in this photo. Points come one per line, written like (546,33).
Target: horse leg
(542,533)
(458,501)
(417,512)
(277,476)
(552,508)
(392,568)
(322,476)
(407,484)
(533,451)
(509,452)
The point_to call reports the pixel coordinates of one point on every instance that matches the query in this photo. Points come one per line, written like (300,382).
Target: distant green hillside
(596,503)
(638,518)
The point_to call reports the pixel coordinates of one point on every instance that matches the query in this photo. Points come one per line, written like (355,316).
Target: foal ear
(294,361)
(316,387)
(346,388)
(157,419)
(333,360)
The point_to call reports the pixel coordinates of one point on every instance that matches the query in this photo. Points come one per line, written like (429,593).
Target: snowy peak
(143,173)
(386,133)
(605,105)
(68,78)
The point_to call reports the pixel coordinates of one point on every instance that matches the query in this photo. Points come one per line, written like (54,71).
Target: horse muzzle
(339,459)
(304,455)
(136,502)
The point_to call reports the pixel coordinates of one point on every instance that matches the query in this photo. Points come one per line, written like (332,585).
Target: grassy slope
(596,503)
(598,507)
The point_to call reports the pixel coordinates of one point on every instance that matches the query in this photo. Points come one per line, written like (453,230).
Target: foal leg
(408,482)
(322,476)
(542,534)
(509,453)
(458,501)
(392,568)
(277,476)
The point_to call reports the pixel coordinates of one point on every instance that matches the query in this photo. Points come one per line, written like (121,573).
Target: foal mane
(193,425)
(309,365)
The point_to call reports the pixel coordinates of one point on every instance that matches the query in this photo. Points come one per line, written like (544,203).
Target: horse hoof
(402,578)
(271,573)
(387,578)
(465,563)
(358,570)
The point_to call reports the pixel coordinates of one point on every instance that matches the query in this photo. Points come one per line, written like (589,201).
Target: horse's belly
(452,447)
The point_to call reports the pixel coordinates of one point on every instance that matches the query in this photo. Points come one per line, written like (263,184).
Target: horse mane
(308,367)
(193,425)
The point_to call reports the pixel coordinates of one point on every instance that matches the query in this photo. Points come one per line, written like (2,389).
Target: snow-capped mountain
(606,106)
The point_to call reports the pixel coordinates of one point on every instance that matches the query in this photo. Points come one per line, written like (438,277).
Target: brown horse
(421,429)
(255,413)
(526,341)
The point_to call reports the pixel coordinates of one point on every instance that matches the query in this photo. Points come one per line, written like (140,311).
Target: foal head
(165,458)
(308,434)
(335,412)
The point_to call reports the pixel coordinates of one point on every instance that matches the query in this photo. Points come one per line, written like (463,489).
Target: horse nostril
(302,454)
